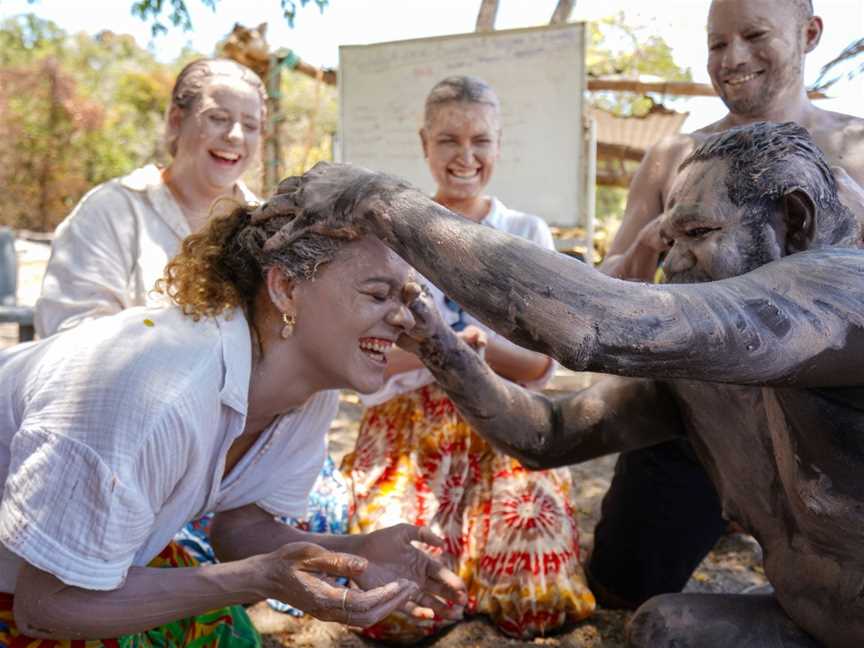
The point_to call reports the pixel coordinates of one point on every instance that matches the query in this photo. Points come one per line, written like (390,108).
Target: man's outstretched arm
(795,322)
(614,415)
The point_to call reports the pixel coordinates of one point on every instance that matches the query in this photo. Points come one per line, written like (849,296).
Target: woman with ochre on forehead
(417,460)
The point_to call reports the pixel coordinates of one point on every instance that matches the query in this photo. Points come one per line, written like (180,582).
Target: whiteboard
(539,76)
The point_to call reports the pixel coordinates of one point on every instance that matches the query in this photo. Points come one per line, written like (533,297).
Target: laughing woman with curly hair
(116,433)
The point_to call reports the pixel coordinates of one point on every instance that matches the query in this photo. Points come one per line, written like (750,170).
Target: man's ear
(812,34)
(281,291)
(799,212)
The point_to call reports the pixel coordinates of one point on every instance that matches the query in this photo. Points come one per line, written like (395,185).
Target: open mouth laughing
(463,175)
(376,349)
(228,158)
(735,80)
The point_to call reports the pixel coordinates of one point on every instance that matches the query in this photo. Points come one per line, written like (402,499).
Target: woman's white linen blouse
(108,253)
(113,435)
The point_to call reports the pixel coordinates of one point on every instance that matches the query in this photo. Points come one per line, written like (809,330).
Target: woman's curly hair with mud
(223,266)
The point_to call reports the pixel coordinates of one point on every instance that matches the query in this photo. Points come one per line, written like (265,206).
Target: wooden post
(562,12)
(486,15)
(272,150)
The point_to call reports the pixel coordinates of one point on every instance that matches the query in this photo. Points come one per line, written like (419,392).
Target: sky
(317,35)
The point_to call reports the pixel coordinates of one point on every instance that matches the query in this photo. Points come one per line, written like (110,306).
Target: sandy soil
(733,566)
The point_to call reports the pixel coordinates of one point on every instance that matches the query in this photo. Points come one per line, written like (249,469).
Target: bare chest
(783,460)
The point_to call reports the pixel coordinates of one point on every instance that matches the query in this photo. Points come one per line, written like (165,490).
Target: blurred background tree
(617,48)
(77,110)
(178,14)
(74,112)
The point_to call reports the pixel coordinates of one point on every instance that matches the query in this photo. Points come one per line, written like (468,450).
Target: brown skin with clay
(760,369)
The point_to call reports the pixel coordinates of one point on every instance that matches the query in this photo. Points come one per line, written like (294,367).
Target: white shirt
(501,218)
(108,253)
(113,435)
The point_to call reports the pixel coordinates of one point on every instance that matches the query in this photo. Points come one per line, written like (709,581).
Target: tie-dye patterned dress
(511,534)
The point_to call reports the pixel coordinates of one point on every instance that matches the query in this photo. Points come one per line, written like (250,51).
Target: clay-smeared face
(461,144)
(350,315)
(755,53)
(714,239)
(219,135)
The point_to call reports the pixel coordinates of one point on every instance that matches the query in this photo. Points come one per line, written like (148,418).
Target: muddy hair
(766,162)
(466,89)
(192,80)
(223,266)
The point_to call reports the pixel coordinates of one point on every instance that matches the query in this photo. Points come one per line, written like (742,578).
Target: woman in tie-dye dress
(511,534)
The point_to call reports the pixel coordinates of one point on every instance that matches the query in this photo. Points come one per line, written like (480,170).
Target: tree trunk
(486,15)
(272,149)
(562,12)
(44,181)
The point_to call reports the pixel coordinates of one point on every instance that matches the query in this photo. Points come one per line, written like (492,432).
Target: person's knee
(652,624)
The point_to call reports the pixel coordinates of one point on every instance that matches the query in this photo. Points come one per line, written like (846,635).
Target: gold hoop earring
(288,329)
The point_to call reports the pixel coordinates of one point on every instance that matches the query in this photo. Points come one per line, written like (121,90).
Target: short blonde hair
(462,88)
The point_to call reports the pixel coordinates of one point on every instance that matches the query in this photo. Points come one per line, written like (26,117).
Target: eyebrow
(687,215)
(390,281)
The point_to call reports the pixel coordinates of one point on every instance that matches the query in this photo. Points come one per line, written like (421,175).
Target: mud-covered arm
(614,415)
(795,322)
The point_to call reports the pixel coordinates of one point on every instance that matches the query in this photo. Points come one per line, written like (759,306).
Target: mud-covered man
(760,370)
(661,515)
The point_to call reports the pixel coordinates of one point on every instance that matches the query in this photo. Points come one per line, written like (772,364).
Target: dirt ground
(733,566)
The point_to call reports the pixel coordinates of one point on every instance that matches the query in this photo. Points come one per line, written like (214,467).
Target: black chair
(10,311)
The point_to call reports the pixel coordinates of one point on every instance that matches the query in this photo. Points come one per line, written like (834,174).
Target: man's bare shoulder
(841,138)
(672,150)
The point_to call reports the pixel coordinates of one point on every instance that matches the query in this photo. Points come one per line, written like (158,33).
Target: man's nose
(678,259)
(737,53)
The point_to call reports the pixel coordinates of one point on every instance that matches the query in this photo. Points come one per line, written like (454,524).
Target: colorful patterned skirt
(510,534)
(228,626)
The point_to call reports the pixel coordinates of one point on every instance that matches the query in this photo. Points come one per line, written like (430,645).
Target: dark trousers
(659,519)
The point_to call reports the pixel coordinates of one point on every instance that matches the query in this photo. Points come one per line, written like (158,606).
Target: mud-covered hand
(653,236)
(429,328)
(302,574)
(333,199)
(392,556)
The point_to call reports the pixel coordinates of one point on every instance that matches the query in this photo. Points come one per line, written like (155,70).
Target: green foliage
(178,13)
(75,111)
(310,118)
(617,48)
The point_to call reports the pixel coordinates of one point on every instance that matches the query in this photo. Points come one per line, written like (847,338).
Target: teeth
(225,155)
(463,175)
(376,346)
(741,79)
